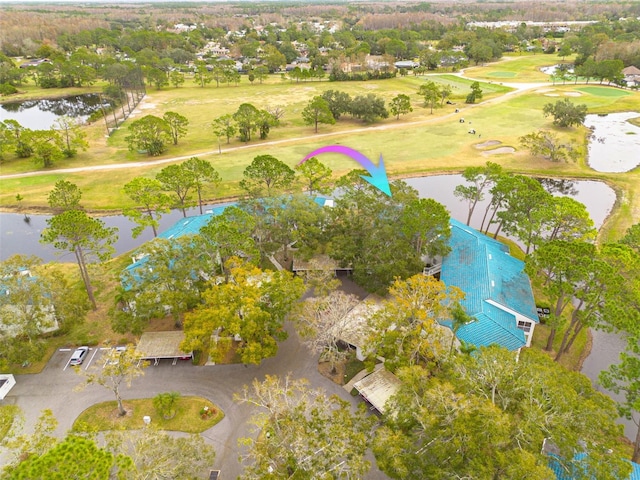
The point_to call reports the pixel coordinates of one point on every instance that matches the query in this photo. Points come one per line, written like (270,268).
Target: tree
(339,102)
(169,279)
(488,415)
(179,180)
(36,444)
(156,454)
(406,331)
(323,325)
(120,368)
(368,108)
(624,378)
(19,138)
(565,113)
(264,121)
(87,238)
(246,118)
(27,309)
(286,220)
(265,176)
(165,404)
(632,237)
(548,146)
(524,205)
(223,127)
(304,433)
(481,178)
(149,134)
(384,237)
(315,176)
(445,92)
(252,305)
(476,93)
(74,457)
(73,137)
(146,193)
(202,173)
(579,283)
(261,72)
(177,125)
(400,105)
(176,78)
(430,91)
(7,140)
(317,111)
(46,146)
(202,75)
(230,234)
(65,195)
(564,218)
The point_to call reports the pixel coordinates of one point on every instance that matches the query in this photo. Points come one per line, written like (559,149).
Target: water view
(17,236)
(614,145)
(41,114)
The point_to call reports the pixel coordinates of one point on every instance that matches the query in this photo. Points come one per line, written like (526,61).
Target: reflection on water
(41,114)
(18,237)
(615,143)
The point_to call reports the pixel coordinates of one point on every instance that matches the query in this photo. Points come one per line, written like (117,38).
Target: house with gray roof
(498,292)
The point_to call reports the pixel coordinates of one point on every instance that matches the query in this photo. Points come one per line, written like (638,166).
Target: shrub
(7,89)
(165,404)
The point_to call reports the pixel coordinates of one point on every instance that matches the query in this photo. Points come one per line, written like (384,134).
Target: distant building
(408,64)
(34,62)
(631,76)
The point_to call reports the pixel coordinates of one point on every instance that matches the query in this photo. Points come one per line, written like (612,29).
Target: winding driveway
(56,389)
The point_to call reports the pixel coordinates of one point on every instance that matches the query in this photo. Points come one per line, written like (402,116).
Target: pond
(615,142)
(17,236)
(41,114)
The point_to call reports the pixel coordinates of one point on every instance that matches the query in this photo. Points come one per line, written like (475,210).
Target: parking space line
(91,359)
(68,362)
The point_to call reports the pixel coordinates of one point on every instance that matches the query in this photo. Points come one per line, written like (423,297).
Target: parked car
(115,359)
(79,355)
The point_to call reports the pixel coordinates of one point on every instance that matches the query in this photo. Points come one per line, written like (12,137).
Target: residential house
(498,294)
(631,76)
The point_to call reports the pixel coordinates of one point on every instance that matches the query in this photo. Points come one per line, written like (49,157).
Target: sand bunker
(551,95)
(572,94)
(496,151)
(488,143)
(544,90)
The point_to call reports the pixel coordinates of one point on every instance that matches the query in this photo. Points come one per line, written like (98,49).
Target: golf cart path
(518,88)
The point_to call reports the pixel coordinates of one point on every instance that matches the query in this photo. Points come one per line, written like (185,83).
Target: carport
(155,346)
(377,387)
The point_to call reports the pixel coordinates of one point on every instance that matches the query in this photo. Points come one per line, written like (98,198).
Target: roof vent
(493,284)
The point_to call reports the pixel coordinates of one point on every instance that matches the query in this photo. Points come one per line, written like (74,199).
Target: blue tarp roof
(484,270)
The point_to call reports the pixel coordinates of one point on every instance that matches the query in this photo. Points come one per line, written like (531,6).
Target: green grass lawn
(517,68)
(104,416)
(419,142)
(604,91)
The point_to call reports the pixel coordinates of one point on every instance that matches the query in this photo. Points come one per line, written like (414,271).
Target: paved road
(54,388)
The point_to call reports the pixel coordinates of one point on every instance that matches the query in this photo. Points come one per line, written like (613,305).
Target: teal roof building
(576,469)
(498,292)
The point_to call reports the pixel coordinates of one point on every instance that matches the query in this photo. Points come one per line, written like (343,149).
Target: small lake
(41,114)
(16,236)
(614,145)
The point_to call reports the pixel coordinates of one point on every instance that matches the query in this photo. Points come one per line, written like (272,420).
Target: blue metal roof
(191,225)
(564,473)
(482,268)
